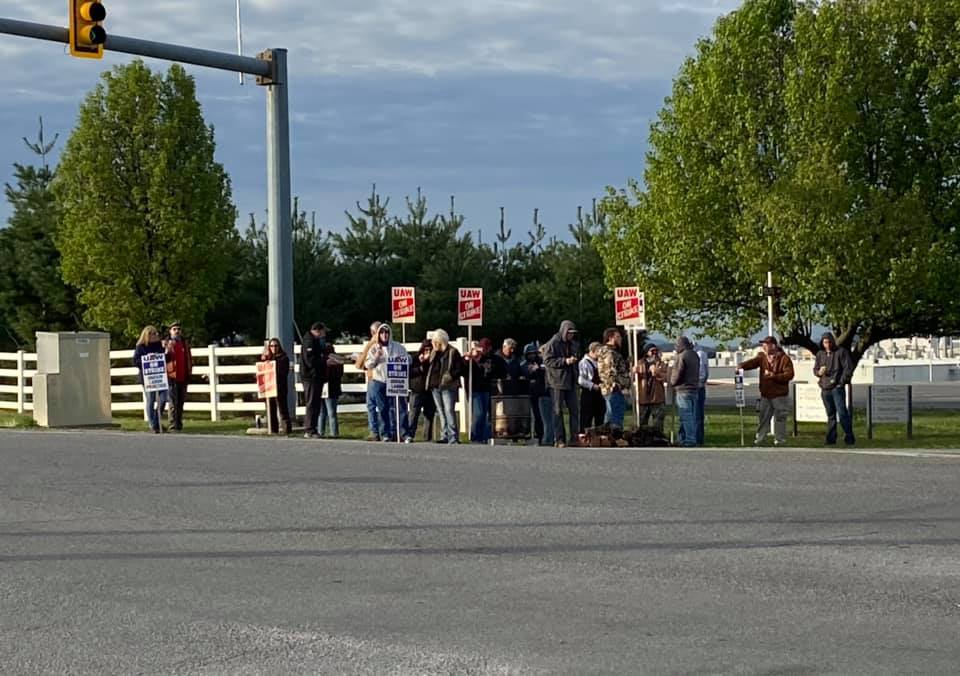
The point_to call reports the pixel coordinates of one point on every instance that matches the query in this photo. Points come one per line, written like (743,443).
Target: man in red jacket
(179,370)
(776,372)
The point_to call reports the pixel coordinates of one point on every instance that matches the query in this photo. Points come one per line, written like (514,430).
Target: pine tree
(33,296)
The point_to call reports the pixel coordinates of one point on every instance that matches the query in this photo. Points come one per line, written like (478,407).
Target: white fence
(224,380)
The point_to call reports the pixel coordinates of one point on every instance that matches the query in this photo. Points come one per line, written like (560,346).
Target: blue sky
(514,103)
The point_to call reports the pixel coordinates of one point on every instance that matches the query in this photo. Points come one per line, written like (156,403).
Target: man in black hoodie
(834,370)
(560,359)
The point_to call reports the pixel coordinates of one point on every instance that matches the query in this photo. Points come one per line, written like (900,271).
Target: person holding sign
(276,353)
(377,358)
(149,343)
(776,372)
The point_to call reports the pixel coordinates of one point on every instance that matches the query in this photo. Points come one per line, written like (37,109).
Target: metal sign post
(741,401)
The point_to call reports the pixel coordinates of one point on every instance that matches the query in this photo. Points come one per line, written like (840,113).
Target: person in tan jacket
(651,390)
(776,372)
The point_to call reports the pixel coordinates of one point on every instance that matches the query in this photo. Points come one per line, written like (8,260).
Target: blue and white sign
(154,372)
(398,376)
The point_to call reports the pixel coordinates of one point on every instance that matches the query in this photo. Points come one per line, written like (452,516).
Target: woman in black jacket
(421,399)
(150,343)
(443,382)
(275,352)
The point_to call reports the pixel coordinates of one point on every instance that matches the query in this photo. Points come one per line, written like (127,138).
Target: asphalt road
(124,554)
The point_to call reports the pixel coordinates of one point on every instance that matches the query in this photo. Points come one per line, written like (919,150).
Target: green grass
(931,428)
(8,419)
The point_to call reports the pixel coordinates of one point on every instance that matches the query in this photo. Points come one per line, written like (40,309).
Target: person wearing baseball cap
(776,372)
(179,370)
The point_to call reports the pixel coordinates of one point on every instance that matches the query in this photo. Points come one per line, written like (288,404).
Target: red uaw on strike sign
(267,379)
(631,310)
(404,304)
(470,307)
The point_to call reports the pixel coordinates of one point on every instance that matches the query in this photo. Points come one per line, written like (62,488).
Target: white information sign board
(809,404)
(738,389)
(398,376)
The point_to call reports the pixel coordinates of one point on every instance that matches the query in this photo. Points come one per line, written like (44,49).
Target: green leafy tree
(148,223)
(33,296)
(816,141)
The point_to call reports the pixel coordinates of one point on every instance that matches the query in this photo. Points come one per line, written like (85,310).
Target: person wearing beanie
(540,403)
(313,371)
(833,368)
(179,370)
(685,380)
(421,400)
(486,368)
(776,372)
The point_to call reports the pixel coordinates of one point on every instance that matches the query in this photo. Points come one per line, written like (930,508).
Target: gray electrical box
(71,387)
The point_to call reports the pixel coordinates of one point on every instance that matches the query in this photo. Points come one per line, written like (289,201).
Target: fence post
(21,383)
(214,393)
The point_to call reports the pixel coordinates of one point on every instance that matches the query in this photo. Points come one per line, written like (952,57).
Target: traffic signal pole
(270,69)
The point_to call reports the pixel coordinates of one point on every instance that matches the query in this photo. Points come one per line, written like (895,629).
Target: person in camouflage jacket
(615,377)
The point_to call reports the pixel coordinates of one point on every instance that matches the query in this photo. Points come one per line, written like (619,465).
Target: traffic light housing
(87,35)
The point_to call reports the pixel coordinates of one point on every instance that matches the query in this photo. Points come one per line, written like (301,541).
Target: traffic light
(86,34)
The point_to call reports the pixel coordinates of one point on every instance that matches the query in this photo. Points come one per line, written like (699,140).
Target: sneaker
(373,437)
(408,440)
(779,443)
(560,444)
(311,435)
(758,441)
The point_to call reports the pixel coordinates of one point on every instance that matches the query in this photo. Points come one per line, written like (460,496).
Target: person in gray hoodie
(685,380)
(560,359)
(384,349)
(833,368)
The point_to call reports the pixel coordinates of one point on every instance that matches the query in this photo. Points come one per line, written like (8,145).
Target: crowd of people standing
(592,388)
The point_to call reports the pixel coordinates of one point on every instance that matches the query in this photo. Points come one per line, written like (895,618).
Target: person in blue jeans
(373,413)
(328,424)
(486,368)
(444,370)
(154,402)
(541,406)
(615,377)
(833,368)
(377,356)
(704,374)
(685,380)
